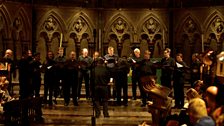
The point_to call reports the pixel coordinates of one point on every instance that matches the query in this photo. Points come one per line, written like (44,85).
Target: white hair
(137,50)
(84,50)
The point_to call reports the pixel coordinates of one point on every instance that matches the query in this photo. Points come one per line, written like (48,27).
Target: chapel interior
(186,26)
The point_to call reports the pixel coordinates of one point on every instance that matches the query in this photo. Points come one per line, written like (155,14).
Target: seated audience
(218,114)
(210,98)
(198,86)
(4,94)
(191,94)
(198,114)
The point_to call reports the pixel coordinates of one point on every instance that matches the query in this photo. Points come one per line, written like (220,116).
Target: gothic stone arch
(188,36)
(80,29)
(214,34)
(50,28)
(151,31)
(117,31)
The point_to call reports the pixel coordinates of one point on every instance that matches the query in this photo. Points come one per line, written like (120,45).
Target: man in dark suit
(85,62)
(122,70)
(49,77)
(167,67)
(101,80)
(71,79)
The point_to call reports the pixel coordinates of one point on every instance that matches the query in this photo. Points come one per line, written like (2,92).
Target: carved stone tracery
(190,27)
(151,27)
(79,27)
(50,24)
(215,32)
(119,28)
(79,24)
(18,24)
(152,36)
(217,27)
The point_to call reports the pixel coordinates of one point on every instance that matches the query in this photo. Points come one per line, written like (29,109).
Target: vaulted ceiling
(126,3)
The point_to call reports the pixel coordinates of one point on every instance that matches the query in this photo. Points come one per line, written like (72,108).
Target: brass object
(206,59)
(161,102)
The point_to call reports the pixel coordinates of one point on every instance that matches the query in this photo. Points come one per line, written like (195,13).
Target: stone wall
(193,29)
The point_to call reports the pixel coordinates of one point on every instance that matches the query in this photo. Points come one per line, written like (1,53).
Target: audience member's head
(198,113)
(210,97)
(218,114)
(192,93)
(220,95)
(197,85)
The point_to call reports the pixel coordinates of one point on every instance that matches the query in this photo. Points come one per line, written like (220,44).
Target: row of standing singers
(70,73)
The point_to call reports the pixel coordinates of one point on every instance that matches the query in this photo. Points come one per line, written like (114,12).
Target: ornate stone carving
(17,24)
(50,24)
(79,25)
(218,26)
(190,26)
(151,27)
(119,27)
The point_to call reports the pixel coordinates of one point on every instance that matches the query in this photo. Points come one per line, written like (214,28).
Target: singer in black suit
(178,77)
(110,60)
(135,62)
(49,77)
(167,67)
(71,79)
(85,62)
(122,70)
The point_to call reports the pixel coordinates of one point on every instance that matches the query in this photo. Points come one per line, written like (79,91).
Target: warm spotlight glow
(221,58)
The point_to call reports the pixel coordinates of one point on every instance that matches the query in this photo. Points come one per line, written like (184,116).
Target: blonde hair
(147,52)
(197,108)
(110,48)
(168,50)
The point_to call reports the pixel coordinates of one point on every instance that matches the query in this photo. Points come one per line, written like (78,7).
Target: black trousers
(135,79)
(25,84)
(71,82)
(179,91)
(86,75)
(36,82)
(101,94)
(50,86)
(122,85)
